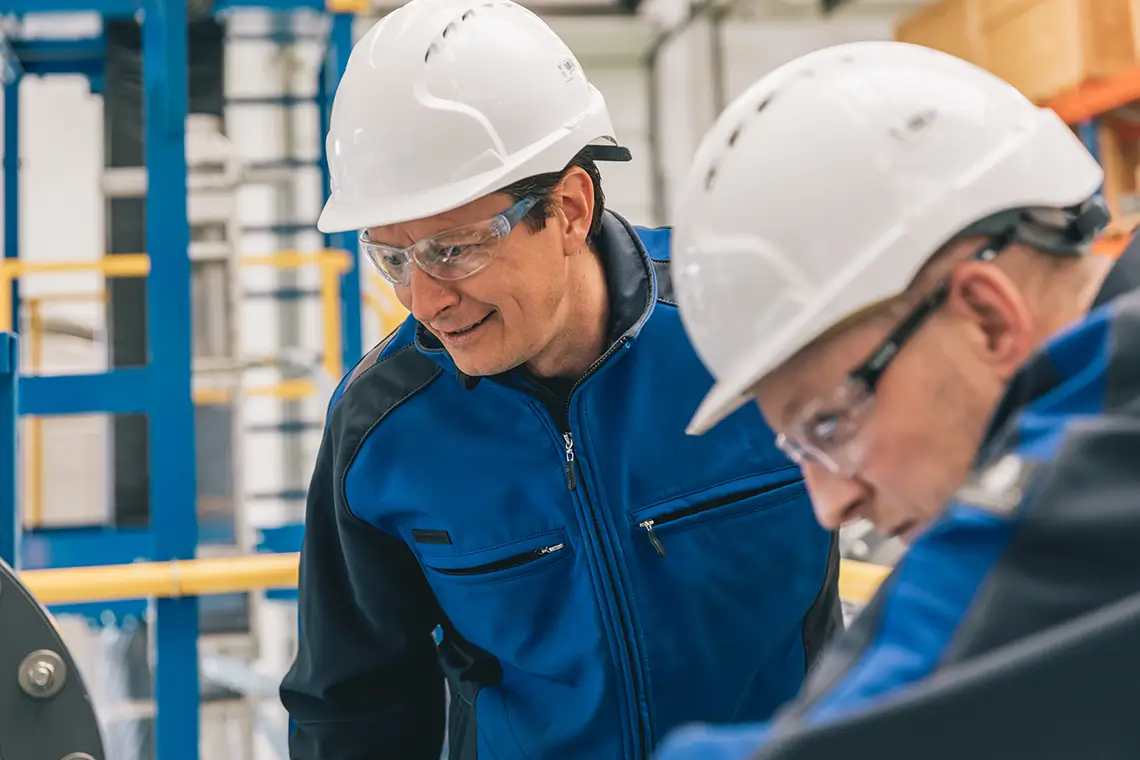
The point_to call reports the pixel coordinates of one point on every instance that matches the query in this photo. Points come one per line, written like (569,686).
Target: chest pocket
(720,504)
(524,601)
(497,564)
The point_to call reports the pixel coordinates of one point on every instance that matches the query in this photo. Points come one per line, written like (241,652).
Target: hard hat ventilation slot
(710,177)
(452,26)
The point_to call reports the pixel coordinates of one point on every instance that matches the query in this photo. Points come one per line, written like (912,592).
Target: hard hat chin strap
(1066,231)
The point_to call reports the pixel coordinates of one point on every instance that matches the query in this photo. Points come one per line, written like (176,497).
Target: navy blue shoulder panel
(370,358)
(380,383)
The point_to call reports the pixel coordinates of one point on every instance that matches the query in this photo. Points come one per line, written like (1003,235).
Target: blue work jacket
(1010,627)
(596,575)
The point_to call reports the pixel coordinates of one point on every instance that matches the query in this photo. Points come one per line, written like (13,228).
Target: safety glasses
(450,255)
(827,430)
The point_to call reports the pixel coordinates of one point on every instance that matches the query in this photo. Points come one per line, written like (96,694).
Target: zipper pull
(551,549)
(571,482)
(648,525)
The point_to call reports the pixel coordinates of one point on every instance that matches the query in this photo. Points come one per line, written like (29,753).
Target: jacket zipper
(571,482)
(503,564)
(568,440)
(640,729)
(657,522)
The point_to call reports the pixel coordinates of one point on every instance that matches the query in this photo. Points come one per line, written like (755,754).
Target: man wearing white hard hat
(888,250)
(508,469)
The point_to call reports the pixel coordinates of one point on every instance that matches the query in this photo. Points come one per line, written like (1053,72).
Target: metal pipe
(111,265)
(227,575)
(336,61)
(138,264)
(10,539)
(34,506)
(162,580)
(12,192)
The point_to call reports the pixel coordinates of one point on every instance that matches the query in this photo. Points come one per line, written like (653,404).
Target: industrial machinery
(45,711)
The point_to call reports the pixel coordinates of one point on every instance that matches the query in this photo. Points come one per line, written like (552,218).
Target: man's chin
(476,366)
(912,532)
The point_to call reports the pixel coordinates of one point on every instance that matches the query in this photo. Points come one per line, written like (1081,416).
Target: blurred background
(142,441)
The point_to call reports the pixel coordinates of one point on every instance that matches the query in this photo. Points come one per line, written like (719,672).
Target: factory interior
(175,325)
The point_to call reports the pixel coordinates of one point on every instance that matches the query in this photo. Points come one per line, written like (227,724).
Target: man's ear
(989,300)
(574,202)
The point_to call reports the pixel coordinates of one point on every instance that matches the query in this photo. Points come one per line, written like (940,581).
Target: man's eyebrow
(792,409)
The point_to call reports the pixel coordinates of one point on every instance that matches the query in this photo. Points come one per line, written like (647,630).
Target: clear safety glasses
(827,430)
(450,255)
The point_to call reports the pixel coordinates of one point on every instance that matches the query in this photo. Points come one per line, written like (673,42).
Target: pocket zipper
(503,564)
(657,522)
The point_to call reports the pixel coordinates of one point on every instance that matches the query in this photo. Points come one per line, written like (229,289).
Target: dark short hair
(542,185)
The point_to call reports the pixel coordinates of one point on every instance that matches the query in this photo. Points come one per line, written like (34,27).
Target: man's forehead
(849,324)
(820,365)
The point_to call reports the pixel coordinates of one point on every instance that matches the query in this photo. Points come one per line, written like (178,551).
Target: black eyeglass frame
(854,398)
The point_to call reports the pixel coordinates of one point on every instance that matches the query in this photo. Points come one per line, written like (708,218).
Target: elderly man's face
(908,445)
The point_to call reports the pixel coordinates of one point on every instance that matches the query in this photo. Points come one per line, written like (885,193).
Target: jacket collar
(630,283)
(1040,374)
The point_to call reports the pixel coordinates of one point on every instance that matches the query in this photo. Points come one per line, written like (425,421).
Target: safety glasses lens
(457,254)
(393,264)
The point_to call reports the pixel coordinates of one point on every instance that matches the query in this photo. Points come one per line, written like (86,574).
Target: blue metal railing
(162,389)
(9,461)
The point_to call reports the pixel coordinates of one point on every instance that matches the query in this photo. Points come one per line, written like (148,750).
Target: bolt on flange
(42,674)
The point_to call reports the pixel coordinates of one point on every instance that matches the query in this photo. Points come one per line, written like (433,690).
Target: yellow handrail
(111,265)
(142,580)
(227,575)
(331,263)
(858,581)
(286,390)
(388,314)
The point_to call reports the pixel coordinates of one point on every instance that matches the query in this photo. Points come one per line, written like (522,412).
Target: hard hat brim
(718,403)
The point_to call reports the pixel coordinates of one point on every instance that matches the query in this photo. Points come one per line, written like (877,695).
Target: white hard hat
(444,101)
(825,186)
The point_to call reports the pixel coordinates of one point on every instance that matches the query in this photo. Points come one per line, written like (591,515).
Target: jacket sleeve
(366,682)
(1014,701)
(701,742)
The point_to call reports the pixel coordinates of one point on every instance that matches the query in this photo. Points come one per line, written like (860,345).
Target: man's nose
(835,500)
(428,297)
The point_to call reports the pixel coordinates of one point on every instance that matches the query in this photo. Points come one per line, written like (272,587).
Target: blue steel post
(9,452)
(324,103)
(12,185)
(171,418)
(336,59)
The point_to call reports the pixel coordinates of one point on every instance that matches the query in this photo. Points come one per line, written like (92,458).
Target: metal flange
(45,710)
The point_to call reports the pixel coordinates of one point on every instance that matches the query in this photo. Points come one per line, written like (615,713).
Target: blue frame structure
(9,459)
(161,389)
